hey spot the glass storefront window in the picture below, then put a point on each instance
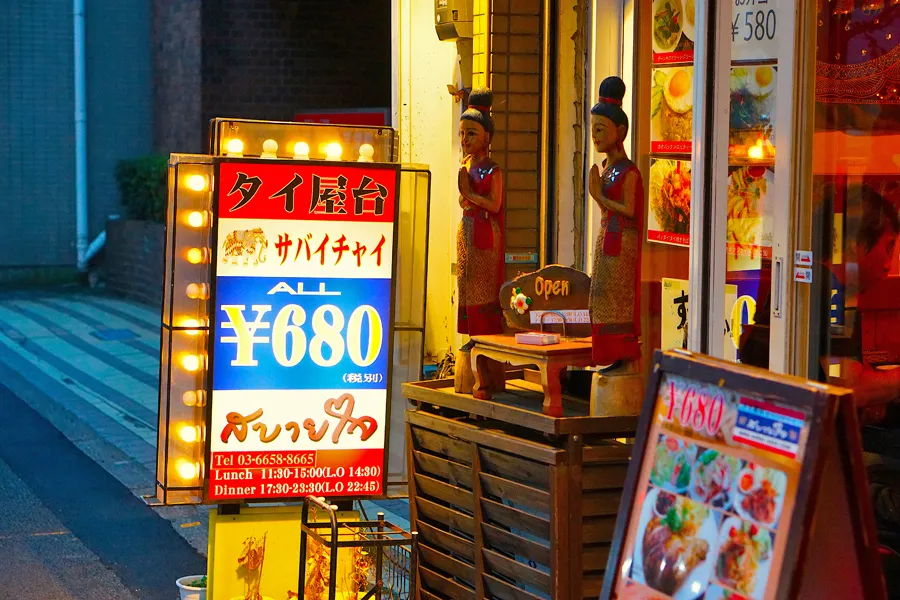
(856, 195)
(732, 166)
(750, 192)
(747, 196)
(853, 208)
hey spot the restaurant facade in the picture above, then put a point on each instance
(765, 134)
(754, 128)
(761, 209)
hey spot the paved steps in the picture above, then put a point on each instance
(89, 363)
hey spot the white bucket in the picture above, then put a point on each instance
(188, 592)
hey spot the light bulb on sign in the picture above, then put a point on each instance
(197, 291)
(191, 362)
(197, 219)
(192, 323)
(195, 256)
(197, 182)
(366, 153)
(187, 470)
(270, 148)
(301, 151)
(189, 434)
(333, 151)
(235, 148)
(193, 398)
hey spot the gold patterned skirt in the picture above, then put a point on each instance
(479, 275)
(615, 323)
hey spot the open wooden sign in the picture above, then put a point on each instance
(743, 484)
(553, 299)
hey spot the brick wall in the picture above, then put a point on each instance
(135, 253)
(480, 41)
(514, 51)
(265, 59)
(177, 66)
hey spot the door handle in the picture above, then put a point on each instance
(777, 276)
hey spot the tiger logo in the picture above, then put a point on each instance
(246, 244)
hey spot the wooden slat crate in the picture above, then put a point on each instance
(509, 503)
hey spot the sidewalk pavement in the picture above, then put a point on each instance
(89, 363)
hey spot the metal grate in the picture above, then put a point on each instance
(395, 576)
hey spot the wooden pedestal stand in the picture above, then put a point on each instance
(619, 393)
(510, 502)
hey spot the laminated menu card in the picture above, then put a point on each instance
(743, 485)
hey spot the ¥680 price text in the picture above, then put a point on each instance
(288, 340)
(696, 409)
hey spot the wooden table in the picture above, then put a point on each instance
(550, 360)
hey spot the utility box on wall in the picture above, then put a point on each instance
(453, 19)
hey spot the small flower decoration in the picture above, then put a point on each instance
(519, 301)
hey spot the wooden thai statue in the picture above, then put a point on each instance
(479, 238)
(616, 276)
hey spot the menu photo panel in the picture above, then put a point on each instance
(723, 484)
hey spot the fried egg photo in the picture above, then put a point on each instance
(761, 81)
(679, 91)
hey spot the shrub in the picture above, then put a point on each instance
(142, 184)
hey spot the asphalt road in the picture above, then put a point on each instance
(69, 529)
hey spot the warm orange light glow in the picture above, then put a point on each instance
(756, 151)
(189, 434)
(193, 323)
(235, 147)
(301, 151)
(195, 256)
(197, 291)
(187, 470)
(197, 219)
(191, 362)
(333, 151)
(197, 183)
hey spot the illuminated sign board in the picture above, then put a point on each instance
(301, 330)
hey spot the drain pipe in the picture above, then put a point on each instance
(81, 191)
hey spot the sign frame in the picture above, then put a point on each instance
(831, 411)
(213, 331)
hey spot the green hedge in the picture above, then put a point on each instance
(142, 184)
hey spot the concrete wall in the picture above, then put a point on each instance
(428, 119)
(120, 96)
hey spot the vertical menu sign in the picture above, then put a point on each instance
(715, 494)
(671, 121)
(301, 332)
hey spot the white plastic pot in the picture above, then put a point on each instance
(189, 592)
